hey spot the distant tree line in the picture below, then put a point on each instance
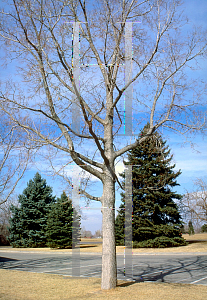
(88, 234)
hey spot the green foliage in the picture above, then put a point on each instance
(61, 220)
(160, 242)
(190, 228)
(29, 220)
(204, 228)
(156, 219)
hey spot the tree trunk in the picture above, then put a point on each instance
(109, 268)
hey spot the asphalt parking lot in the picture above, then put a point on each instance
(173, 268)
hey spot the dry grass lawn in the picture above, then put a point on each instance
(197, 236)
(17, 285)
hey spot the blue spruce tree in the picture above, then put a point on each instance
(156, 219)
(61, 220)
(29, 219)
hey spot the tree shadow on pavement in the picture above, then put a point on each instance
(5, 259)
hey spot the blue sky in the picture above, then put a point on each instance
(191, 161)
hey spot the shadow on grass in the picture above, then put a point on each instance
(88, 246)
(197, 241)
(125, 284)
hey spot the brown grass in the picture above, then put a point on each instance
(197, 236)
(19, 285)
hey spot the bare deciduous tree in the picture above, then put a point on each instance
(5, 215)
(195, 203)
(14, 158)
(54, 86)
(98, 233)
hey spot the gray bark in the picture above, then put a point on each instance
(109, 268)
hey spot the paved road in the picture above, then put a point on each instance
(179, 268)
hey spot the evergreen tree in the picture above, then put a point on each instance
(190, 228)
(61, 219)
(156, 219)
(29, 220)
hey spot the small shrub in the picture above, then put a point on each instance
(204, 228)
